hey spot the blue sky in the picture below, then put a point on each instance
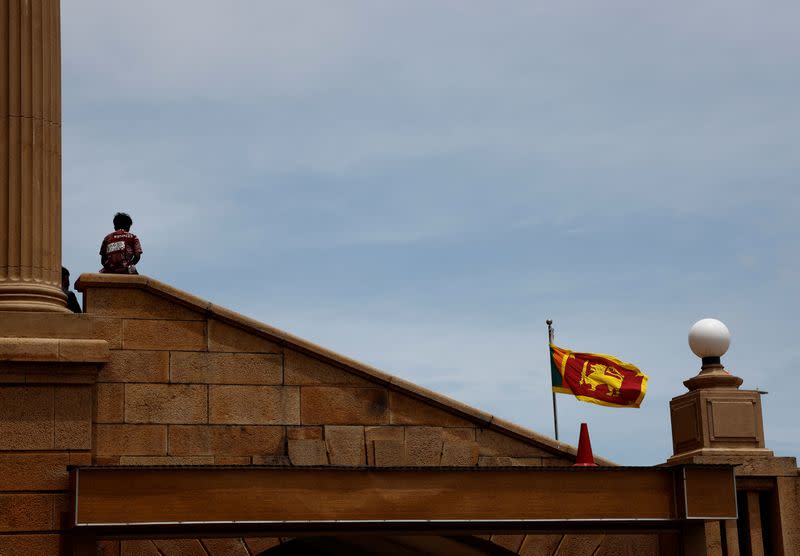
(419, 185)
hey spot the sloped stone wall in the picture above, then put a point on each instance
(185, 387)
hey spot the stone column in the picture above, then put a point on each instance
(30, 156)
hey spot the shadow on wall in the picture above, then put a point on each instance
(395, 545)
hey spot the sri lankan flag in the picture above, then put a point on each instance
(597, 378)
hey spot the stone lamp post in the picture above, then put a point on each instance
(715, 421)
(709, 339)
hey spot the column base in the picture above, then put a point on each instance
(28, 296)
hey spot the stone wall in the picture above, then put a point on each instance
(153, 376)
(45, 422)
(188, 383)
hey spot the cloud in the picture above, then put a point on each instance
(420, 185)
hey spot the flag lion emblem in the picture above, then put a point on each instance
(602, 375)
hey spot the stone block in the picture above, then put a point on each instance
(346, 445)
(28, 349)
(136, 366)
(628, 545)
(527, 462)
(108, 548)
(87, 283)
(536, 545)
(136, 304)
(406, 410)
(256, 405)
(231, 440)
(180, 297)
(459, 453)
(80, 458)
(450, 405)
(73, 417)
(328, 405)
(580, 545)
(304, 433)
(385, 432)
(423, 446)
(224, 337)
(493, 443)
(109, 403)
(131, 440)
(555, 462)
(381, 433)
(82, 351)
(225, 547)
(257, 545)
(27, 512)
(495, 461)
(787, 511)
(262, 459)
(26, 418)
(43, 325)
(166, 460)
(179, 335)
(389, 453)
(459, 433)
(509, 542)
(180, 547)
(34, 471)
(61, 505)
(226, 368)
(61, 373)
(23, 545)
(138, 548)
(108, 329)
(308, 452)
(301, 369)
(232, 460)
(166, 403)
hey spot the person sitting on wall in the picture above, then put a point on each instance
(72, 299)
(120, 250)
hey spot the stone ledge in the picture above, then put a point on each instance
(757, 462)
(16, 324)
(53, 350)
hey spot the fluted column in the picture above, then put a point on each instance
(30, 156)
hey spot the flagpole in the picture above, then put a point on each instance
(550, 335)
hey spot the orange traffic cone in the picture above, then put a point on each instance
(585, 457)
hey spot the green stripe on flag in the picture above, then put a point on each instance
(555, 373)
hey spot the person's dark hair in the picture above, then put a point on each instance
(64, 273)
(122, 221)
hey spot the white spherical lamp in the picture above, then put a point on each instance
(709, 338)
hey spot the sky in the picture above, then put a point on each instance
(420, 185)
